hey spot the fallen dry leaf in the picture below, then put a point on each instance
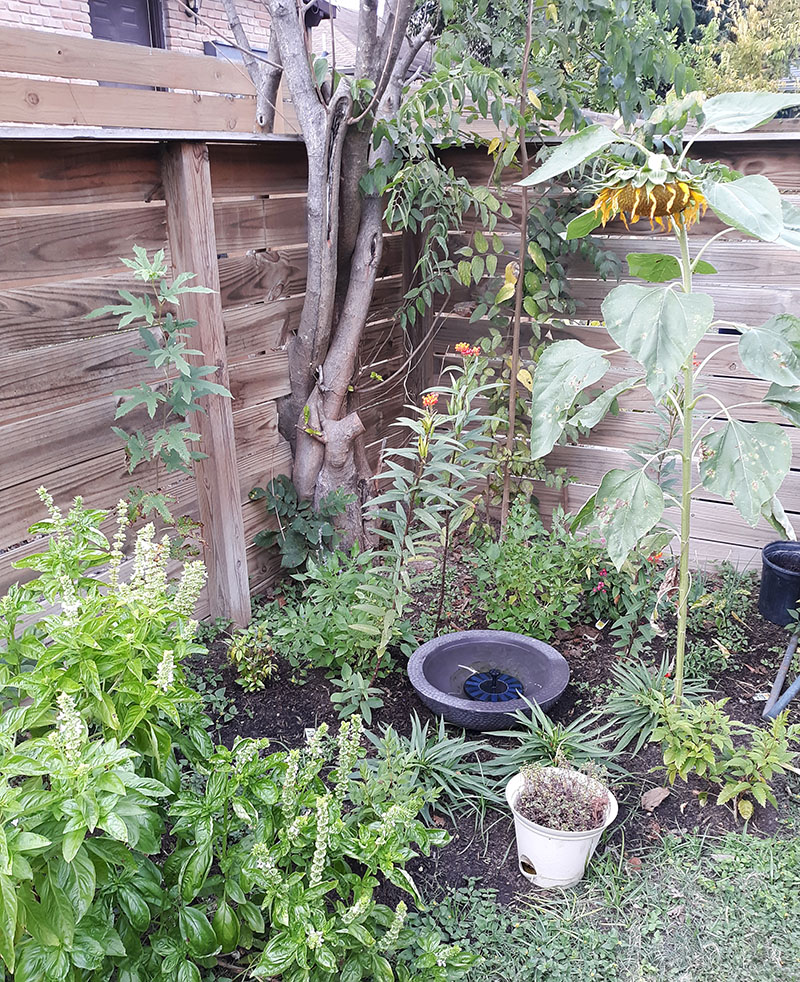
(635, 863)
(652, 799)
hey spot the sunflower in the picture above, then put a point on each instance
(654, 201)
(653, 188)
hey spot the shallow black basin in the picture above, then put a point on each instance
(439, 669)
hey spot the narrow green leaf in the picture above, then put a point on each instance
(591, 414)
(582, 225)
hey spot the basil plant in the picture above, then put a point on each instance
(660, 323)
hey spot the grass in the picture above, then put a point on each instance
(696, 910)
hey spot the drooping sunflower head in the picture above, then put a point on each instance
(656, 191)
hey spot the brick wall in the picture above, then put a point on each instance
(183, 34)
(63, 16)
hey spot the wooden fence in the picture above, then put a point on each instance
(755, 281)
(88, 170)
(234, 214)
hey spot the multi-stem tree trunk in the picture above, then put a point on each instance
(320, 418)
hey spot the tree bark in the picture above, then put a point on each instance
(344, 241)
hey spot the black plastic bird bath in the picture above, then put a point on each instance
(475, 679)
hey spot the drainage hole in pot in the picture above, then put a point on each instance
(493, 686)
(526, 867)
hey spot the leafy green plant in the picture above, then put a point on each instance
(660, 325)
(116, 647)
(431, 759)
(541, 740)
(356, 695)
(429, 483)
(719, 608)
(532, 580)
(251, 652)
(742, 759)
(181, 386)
(636, 696)
(303, 530)
(266, 860)
(334, 614)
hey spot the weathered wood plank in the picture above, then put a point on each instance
(37, 175)
(591, 463)
(24, 100)
(190, 213)
(39, 314)
(748, 263)
(103, 477)
(719, 522)
(42, 248)
(733, 302)
(70, 56)
(69, 374)
(255, 169)
(262, 224)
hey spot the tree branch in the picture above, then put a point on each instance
(266, 77)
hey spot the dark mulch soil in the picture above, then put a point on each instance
(283, 710)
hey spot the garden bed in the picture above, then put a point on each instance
(288, 705)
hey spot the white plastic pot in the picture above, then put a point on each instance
(549, 857)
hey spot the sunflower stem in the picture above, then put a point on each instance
(686, 478)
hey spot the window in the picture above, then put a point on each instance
(130, 21)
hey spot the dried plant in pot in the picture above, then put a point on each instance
(559, 816)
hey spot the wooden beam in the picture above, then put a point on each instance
(69, 56)
(26, 100)
(190, 223)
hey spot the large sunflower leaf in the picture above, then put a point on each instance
(772, 351)
(735, 112)
(582, 145)
(659, 327)
(786, 399)
(747, 463)
(564, 369)
(790, 236)
(627, 506)
(750, 204)
(591, 414)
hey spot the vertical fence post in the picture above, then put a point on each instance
(190, 225)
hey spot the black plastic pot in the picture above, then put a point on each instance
(780, 581)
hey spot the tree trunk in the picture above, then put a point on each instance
(344, 244)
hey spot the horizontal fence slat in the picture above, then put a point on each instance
(25, 100)
(748, 263)
(715, 521)
(32, 175)
(42, 248)
(69, 56)
(261, 168)
(262, 224)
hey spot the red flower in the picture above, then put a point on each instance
(430, 399)
(465, 350)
